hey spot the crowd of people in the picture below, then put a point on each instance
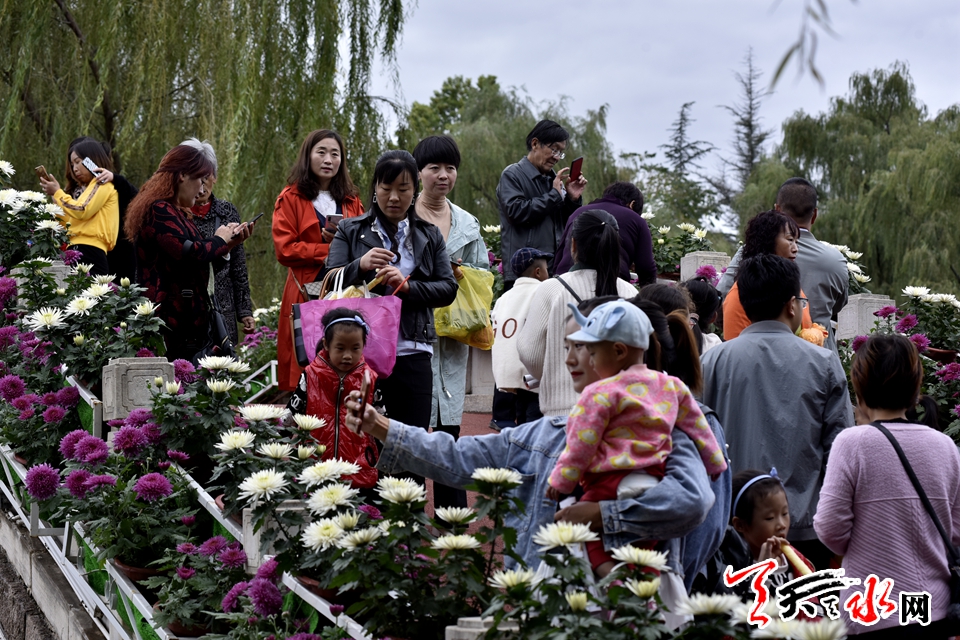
(610, 387)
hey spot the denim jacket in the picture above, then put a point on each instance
(673, 508)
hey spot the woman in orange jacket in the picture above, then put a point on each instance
(304, 220)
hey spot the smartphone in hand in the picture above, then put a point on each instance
(364, 392)
(91, 166)
(333, 221)
(576, 168)
(41, 172)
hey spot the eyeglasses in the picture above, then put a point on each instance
(804, 303)
(556, 153)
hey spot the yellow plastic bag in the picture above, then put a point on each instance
(468, 318)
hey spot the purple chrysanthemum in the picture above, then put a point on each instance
(304, 636)
(707, 271)
(70, 257)
(153, 486)
(11, 387)
(184, 371)
(163, 465)
(68, 397)
(187, 548)
(42, 482)
(949, 373)
(232, 558)
(152, 432)
(138, 418)
(8, 290)
(69, 443)
(103, 480)
(886, 312)
(188, 521)
(268, 570)
(77, 483)
(49, 398)
(129, 441)
(921, 341)
(371, 511)
(336, 609)
(91, 450)
(229, 602)
(239, 422)
(858, 342)
(265, 597)
(185, 573)
(213, 546)
(22, 403)
(906, 323)
(177, 456)
(26, 414)
(54, 414)
(8, 335)
(145, 353)
(956, 411)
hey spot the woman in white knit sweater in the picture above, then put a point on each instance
(595, 248)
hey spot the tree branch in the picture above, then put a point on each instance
(33, 112)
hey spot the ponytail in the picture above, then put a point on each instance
(597, 238)
(686, 362)
(925, 412)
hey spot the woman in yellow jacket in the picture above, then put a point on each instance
(90, 206)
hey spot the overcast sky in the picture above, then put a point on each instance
(645, 59)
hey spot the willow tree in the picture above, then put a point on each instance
(251, 76)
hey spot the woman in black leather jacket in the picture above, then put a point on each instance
(391, 242)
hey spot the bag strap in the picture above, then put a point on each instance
(568, 288)
(325, 284)
(951, 550)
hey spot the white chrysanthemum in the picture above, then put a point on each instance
(238, 366)
(275, 450)
(104, 279)
(304, 452)
(359, 538)
(852, 267)
(328, 470)
(235, 439)
(321, 535)
(45, 318)
(6, 168)
(687, 227)
(916, 292)
(262, 484)
(492, 228)
(81, 305)
(220, 386)
(955, 304)
(330, 497)
(664, 230)
(401, 490)
(124, 282)
(862, 278)
(96, 291)
(173, 388)
(455, 515)
(51, 210)
(648, 215)
(929, 297)
(700, 604)
(512, 578)
(779, 629)
(700, 234)
(79, 339)
(577, 600)
(48, 225)
(641, 557)
(82, 267)
(643, 588)
(309, 423)
(10, 198)
(462, 542)
(853, 255)
(255, 412)
(497, 476)
(562, 534)
(823, 630)
(348, 520)
(214, 363)
(33, 196)
(60, 291)
(145, 308)
(660, 241)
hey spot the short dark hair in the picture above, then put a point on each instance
(340, 313)
(763, 230)
(766, 283)
(625, 192)
(547, 132)
(887, 372)
(439, 149)
(798, 199)
(537, 262)
(670, 298)
(754, 493)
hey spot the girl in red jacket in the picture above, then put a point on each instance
(337, 370)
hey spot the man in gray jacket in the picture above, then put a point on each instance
(823, 269)
(780, 399)
(535, 201)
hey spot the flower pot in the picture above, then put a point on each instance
(943, 356)
(673, 276)
(182, 631)
(221, 505)
(135, 574)
(330, 595)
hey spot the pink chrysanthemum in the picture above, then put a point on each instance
(152, 432)
(229, 603)
(26, 414)
(69, 442)
(103, 480)
(921, 341)
(213, 546)
(91, 450)
(265, 597)
(858, 342)
(153, 486)
(188, 521)
(49, 398)
(68, 397)
(185, 573)
(22, 403)
(53, 414)
(42, 482)
(268, 570)
(129, 441)
(184, 371)
(886, 312)
(77, 483)
(138, 418)
(187, 548)
(11, 387)
(371, 511)
(177, 456)
(232, 557)
(906, 323)
(145, 353)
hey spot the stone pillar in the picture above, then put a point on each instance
(693, 261)
(479, 383)
(127, 382)
(475, 628)
(251, 539)
(857, 319)
(57, 269)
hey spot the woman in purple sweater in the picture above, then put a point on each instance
(869, 511)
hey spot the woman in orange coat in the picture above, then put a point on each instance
(305, 218)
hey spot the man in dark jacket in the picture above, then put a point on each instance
(535, 201)
(624, 202)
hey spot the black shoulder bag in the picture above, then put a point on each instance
(219, 342)
(953, 556)
(568, 288)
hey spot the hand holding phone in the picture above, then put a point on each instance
(576, 168)
(91, 166)
(41, 172)
(364, 391)
(256, 218)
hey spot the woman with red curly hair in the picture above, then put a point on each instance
(173, 257)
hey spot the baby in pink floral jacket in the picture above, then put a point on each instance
(622, 424)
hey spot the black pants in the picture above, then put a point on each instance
(93, 256)
(408, 393)
(444, 496)
(528, 406)
(504, 409)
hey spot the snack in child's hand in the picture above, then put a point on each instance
(799, 566)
